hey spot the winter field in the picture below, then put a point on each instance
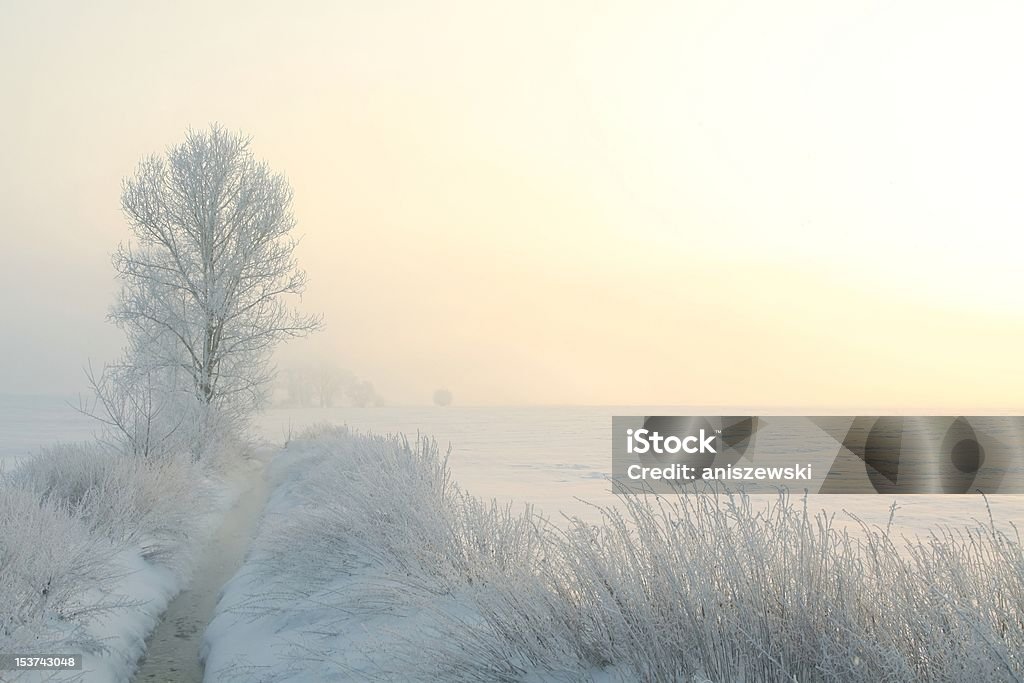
(557, 458)
(554, 458)
(373, 560)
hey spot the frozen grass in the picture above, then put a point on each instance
(373, 564)
(93, 543)
(155, 505)
(48, 562)
(712, 587)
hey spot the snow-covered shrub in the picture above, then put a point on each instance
(689, 587)
(151, 411)
(155, 505)
(388, 509)
(219, 440)
(373, 526)
(53, 574)
(93, 543)
(712, 586)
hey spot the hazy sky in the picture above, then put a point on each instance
(682, 202)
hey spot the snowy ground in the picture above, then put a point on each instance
(173, 648)
(312, 603)
(124, 632)
(244, 643)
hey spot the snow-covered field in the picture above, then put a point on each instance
(28, 423)
(554, 458)
(557, 458)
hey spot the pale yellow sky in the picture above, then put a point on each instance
(786, 203)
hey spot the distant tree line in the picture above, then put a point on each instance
(325, 385)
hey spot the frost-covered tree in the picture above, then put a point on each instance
(362, 393)
(328, 380)
(207, 279)
(443, 398)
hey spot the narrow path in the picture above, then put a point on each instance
(172, 650)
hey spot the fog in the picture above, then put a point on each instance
(590, 203)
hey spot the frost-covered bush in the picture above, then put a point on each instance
(92, 539)
(693, 587)
(388, 509)
(155, 505)
(53, 574)
(712, 586)
(150, 411)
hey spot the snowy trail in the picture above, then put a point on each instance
(172, 650)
